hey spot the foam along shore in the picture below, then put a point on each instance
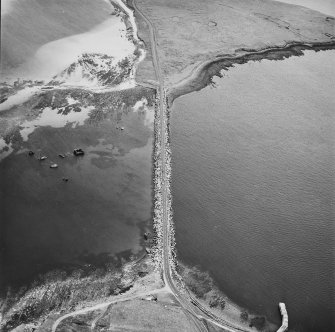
(108, 38)
(130, 15)
(20, 97)
(94, 59)
(283, 311)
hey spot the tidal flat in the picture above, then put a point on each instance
(90, 210)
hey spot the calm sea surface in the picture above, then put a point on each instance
(99, 215)
(253, 186)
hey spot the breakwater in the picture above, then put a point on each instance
(157, 254)
(283, 311)
(162, 177)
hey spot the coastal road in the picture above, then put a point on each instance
(197, 314)
(190, 304)
(100, 306)
(186, 305)
(188, 308)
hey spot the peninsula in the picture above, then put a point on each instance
(186, 43)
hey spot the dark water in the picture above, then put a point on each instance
(104, 208)
(253, 186)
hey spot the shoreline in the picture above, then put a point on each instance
(201, 75)
(232, 312)
(202, 290)
(93, 264)
(63, 274)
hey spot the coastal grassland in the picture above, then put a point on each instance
(145, 72)
(33, 285)
(135, 315)
(202, 285)
(196, 40)
(58, 292)
(191, 32)
(203, 74)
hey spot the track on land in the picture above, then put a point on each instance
(189, 304)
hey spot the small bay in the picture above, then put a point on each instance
(253, 186)
(91, 210)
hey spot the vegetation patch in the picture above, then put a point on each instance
(60, 291)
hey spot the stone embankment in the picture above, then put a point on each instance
(283, 311)
(157, 250)
(159, 182)
(168, 179)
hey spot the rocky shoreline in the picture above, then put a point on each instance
(200, 77)
(210, 299)
(203, 73)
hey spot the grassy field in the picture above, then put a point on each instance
(136, 315)
(39, 306)
(190, 32)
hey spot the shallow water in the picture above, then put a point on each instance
(253, 186)
(323, 6)
(28, 25)
(99, 215)
(108, 38)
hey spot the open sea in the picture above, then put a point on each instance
(253, 186)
